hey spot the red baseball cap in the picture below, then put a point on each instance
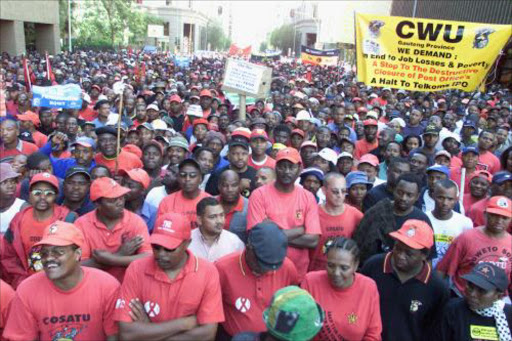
(171, 229)
(362, 109)
(61, 233)
(357, 99)
(308, 143)
(131, 148)
(416, 234)
(200, 121)
(205, 92)
(298, 131)
(500, 205)
(30, 116)
(107, 188)
(290, 119)
(139, 175)
(289, 154)
(369, 158)
(370, 122)
(481, 173)
(45, 177)
(242, 132)
(259, 133)
(175, 98)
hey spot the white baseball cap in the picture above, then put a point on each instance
(329, 155)
(303, 115)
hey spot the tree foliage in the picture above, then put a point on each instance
(216, 37)
(282, 37)
(110, 23)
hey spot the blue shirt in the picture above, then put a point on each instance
(148, 214)
(60, 166)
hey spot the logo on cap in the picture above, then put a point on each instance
(502, 202)
(411, 232)
(113, 183)
(243, 304)
(46, 175)
(167, 226)
(52, 229)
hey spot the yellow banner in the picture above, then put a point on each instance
(426, 54)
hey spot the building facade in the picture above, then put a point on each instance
(185, 27)
(20, 16)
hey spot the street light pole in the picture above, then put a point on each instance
(414, 8)
(69, 26)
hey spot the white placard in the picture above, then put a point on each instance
(246, 78)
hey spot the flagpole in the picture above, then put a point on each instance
(69, 26)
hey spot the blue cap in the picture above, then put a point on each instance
(439, 168)
(357, 177)
(269, 244)
(469, 123)
(312, 171)
(501, 177)
(466, 150)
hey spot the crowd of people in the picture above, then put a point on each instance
(332, 211)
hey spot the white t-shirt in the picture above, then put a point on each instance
(445, 231)
(227, 243)
(156, 195)
(6, 217)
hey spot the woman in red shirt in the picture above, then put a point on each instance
(350, 300)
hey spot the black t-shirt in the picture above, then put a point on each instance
(213, 182)
(375, 195)
(461, 323)
(408, 310)
(415, 214)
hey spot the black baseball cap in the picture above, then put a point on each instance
(238, 144)
(106, 130)
(488, 277)
(77, 170)
(269, 244)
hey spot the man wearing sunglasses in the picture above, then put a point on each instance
(54, 304)
(185, 200)
(18, 256)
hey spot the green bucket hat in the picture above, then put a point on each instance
(293, 315)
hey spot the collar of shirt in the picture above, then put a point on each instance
(246, 270)
(123, 222)
(423, 276)
(19, 146)
(192, 265)
(238, 207)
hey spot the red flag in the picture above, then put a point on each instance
(28, 74)
(136, 70)
(49, 72)
(143, 70)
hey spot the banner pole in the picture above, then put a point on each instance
(118, 145)
(241, 102)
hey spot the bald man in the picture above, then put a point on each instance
(234, 204)
(336, 218)
(264, 176)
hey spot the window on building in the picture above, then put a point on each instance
(315, 11)
(168, 2)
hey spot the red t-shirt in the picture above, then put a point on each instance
(41, 311)
(27, 148)
(364, 147)
(245, 296)
(228, 216)
(194, 291)
(473, 247)
(177, 203)
(6, 295)
(468, 201)
(88, 114)
(477, 212)
(489, 161)
(127, 161)
(98, 236)
(269, 162)
(352, 313)
(288, 211)
(40, 139)
(31, 232)
(342, 225)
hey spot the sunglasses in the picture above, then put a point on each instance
(39, 192)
